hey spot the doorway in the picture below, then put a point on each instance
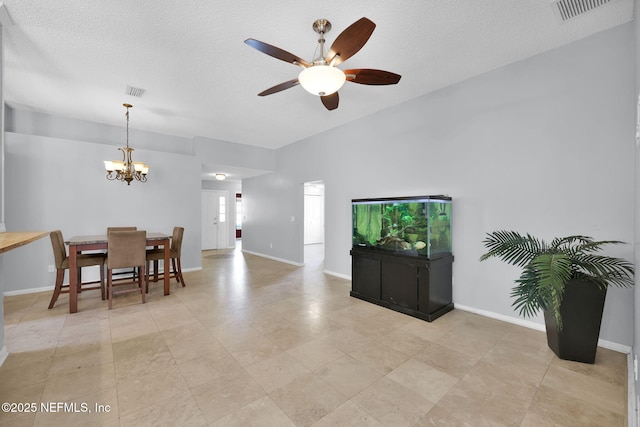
(313, 221)
(215, 219)
(238, 216)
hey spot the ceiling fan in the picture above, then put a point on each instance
(321, 76)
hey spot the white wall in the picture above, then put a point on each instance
(60, 184)
(545, 146)
(35, 123)
(3, 350)
(236, 155)
(636, 341)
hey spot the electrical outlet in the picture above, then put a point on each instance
(271, 245)
(52, 268)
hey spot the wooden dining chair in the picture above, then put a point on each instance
(126, 272)
(110, 229)
(126, 249)
(62, 264)
(175, 252)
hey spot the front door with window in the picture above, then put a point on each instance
(215, 219)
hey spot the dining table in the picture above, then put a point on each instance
(79, 244)
(12, 240)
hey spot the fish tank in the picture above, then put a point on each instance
(412, 226)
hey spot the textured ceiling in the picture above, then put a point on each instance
(75, 58)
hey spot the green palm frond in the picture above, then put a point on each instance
(548, 268)
(579, 245)
(553, 271)
(597, 246)
(528, 300)
(512, 248)
(566, 243)
(613, 271)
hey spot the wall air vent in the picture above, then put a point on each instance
(569, 9)
(135, 91)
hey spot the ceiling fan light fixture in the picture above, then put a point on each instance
(321, 76)
(322, 80)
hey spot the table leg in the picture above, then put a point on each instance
(73, 279)
(167, 267)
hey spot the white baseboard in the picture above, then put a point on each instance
(184, 270)
(3, 354)
(515, 320)
(621, 348)
(28, 291)
(286, 261)
(340, 275)
(50, 288)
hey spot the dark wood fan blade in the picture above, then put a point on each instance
(279, 88)
(350, 41)
(330, 101)
(277, 53)
(368, 76)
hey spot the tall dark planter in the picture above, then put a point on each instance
(581, 312)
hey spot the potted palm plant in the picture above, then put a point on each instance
(567, 280)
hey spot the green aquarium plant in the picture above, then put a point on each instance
(548, 267)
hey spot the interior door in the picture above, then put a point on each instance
(209, 220)
(215, 219)
(313, 219)
(313, 213)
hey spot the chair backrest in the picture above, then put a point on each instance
(176, 241)
(110, 229)
(59, 250)
(126, 249)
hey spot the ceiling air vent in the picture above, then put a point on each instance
(569, 9)
(134, 91)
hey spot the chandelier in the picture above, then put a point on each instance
(126, 169)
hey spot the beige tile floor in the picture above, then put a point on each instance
(254, 342)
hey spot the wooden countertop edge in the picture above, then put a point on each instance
(14, 239)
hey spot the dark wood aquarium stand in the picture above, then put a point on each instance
(413, 285)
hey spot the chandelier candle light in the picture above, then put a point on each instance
(126, 169)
